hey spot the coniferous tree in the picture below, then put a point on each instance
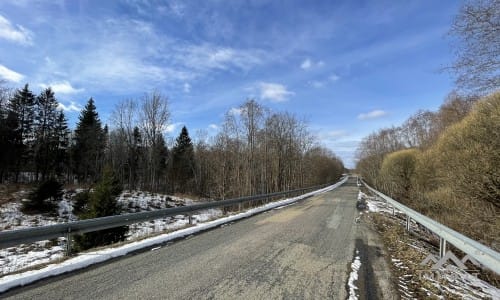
(9, 136)
(102, 202)
(182, 170)
(42, 198)
(22, 105)
(62, 138)
(135, 157)
(46, 143)
(89, 144)
(159, 153)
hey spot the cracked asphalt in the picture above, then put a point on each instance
(302, 251)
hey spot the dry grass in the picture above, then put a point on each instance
(478, 220)
(411, 249)
(12, 192)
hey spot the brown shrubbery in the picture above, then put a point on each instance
(454, 175)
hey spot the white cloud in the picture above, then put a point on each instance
(10, 75)
(125, 55)
(235, 111)
(274, 92)
(114, 55)
(317, 84)
(306, 64)
(207, 57)
(171, 128)
(61, 87)
(372, 115)
(17, 33)
(71, 107)
(333, 77)
(309, 64)
(213, 127)
(335, 133)
(321, 83)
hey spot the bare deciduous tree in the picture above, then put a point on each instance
(477, 46)
(153, 118)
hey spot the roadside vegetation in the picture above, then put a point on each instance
(452, 174)
(445, 163)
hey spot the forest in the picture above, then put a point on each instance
(256, 151)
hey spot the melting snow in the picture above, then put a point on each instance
(89, 258)
(355, 265)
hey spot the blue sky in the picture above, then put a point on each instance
(347, 67)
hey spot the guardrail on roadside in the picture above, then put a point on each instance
(487, 257)
(28, 235)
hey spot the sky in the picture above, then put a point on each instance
(347, 67)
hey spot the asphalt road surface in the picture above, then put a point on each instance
(302, 251)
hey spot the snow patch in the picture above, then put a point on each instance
(373, 204)
(89, 258)
(353, 276)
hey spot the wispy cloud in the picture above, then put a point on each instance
(114, 55)
(10, 75)
(306, 64)
(317, 84)
(123, 55)
(62, 87)
(235, 111)
(321, 83)
(372, 115)
(70, 107)
(172, 128)
(309, 64)
(213, 127)
(335, 134)
(211, 57)
(14, 33)
(333, 77)
(274, 92)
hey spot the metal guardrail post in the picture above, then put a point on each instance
(68, 242)
(442, 247)
(408, 223)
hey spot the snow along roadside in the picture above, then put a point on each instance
(89, 258)
(353, 276)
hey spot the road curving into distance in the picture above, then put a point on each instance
(302, 251)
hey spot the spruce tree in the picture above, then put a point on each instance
(9, 136)
(182, 170)
(89, 143)
(135, 157)
(46, 139)
(43, 198)
(22, 106)
(159, 157)
(102, 202)
(62, 138)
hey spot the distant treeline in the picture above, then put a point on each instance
(445, 164)
(255, 151)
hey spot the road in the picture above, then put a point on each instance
(302, 251)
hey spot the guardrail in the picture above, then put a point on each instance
(487, 257)
(34, 234)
